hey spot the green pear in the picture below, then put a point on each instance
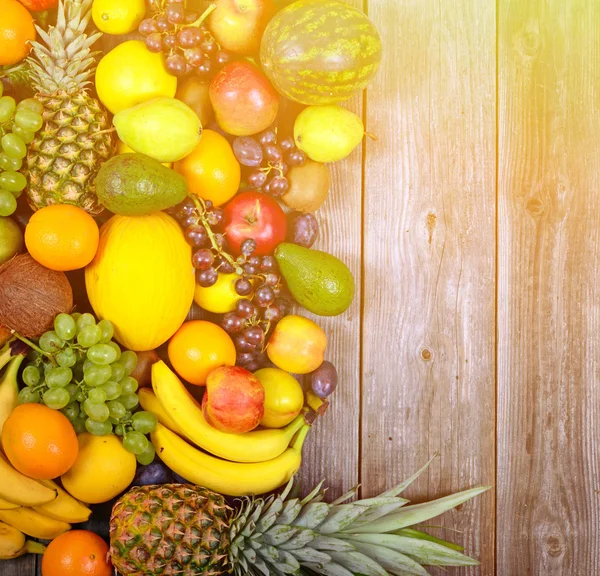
(320, 282)
(163, 128)
(327, 133)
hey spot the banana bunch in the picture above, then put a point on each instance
(37, 508)
(252, 463)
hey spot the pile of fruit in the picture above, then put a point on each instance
(179, 170)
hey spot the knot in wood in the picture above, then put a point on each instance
(535, 207)
(554, 546)
(426, 354)
(529, 42)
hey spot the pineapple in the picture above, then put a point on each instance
(181, 529)
(75, 140)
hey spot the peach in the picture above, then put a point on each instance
(234, 400)
(297, 345)
(284, 397)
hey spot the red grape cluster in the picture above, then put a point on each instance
(186, 43)
(266, 161)
(264, 302)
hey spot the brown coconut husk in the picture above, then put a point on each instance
(31, 296)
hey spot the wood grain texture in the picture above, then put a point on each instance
(429, 260)
(22, 566)
(549, 288)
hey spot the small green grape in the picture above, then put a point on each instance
(129, 360)
(31, 104)
(97, 412)
(31, 375)
(56, 398)
(118, 371)
(112, 390)
(58, 377)
(135, 442)
(89, 335)
(101, 354)
(12, 181)
(119, 430)
(129, 385)
(79, 425)
(51, 342)
(80, 396)
(72, 390)
(82, 320)
(98, 428)
(14, 146)
(28, 120)
(71, 411)
(28, 396)
(108, 331)
(144, 422)
(146, 457)
(8, 203)
(66, 358)
(116, 409)
(116, 348)
(65, 327)
(95, 375)
(8, 163)
(130, 401)
(97, 396)
(25, 135)
(7, 108)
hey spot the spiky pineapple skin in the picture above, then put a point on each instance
(67, 152)
(168, 530)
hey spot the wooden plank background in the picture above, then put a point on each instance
(472, 228)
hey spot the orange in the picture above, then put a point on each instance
(76, 553)
(211, 170)
(39, 442)
(198, 348)
(16, 32)
(62, 237)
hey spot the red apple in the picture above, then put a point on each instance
(234, 401)
(243, 99)
(257, 216)
(237, 25)
(39, 5)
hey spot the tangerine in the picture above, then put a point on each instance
(198, 348)
(211, 169)
(62, 237)
(39, 442)
(76, 553)
(16, 32)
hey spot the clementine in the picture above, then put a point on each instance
(62, 237)
(198, 348)
(211, 170)
(39, 442)
(76, 553)
(16, 32)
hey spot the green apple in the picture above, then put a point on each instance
(11, 239)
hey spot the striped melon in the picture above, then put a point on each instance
(320, 51)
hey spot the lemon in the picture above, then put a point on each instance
(221, 297)
(103, 469)
(130, 74)
(122, 148)
(284, 397)
(118, 16)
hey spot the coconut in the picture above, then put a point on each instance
(31, 296)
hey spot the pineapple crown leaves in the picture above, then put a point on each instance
(370, 537)
(63, 59)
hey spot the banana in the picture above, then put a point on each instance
(6, 505)
(13, 543)
(150, 403)
(64, 508)
(182, 408)
(9, 388)
(17, 488)
(230, 478)
(33, 523)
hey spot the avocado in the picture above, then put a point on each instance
(135, 184)
(320, 282)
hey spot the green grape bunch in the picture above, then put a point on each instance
(78, 369)
(18, 125)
